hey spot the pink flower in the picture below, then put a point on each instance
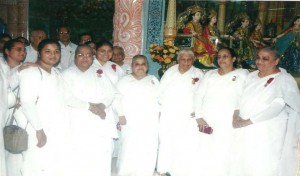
(114, 67)
(99, 72)
(269, 81)
(195, 80)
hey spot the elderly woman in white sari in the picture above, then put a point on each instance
(139, 112)
(91, 136)
(178, 131)
(266, 121)
(215, 101)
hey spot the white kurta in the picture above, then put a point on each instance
(138, 101)
(49, 114)
(126, 68)
(178, 132)
(67, 55)
(114, 76)
(215, 101)
(91, 136)
(258, 147)
(32, 54)
(3, 115)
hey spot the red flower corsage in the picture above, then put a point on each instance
(114, 67)
(99, 72)
(195, 80)
(269, 82)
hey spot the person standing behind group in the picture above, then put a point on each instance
(267, 121)
(215, 101)
(67, 48)
(139, 120)
(118, 58)
(91, 135)
(36, 36)
(44, 98)
(85, 37)
(178, 131)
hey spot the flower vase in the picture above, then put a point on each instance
(162, 70)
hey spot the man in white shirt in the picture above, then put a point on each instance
(67, 48)
(36, 36)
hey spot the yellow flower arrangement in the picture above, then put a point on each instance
(165, 54)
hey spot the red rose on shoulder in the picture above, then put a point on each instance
(114, 67)
(99, 72)
(269, 81)
(195, 80)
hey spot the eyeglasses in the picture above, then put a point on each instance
(62, 33)
(19, 49)
(80, 55)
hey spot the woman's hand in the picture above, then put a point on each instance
(98, 109)
(201, 124)
(238, 122)
(41, 138)
(122, 120)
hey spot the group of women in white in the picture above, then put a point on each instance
(75, 116)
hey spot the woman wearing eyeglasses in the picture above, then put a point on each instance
(91, 135)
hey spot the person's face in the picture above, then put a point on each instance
(140, 67)
(104, 53)
(245, 23)
(185, 62)
(64, 35)
(17, 52)
(214, 19)
(297, 22)
(50, 54)
(266, 61)
(258, 27)
(84, 39)
(117, 56)
(93, 46)
(37, 37)
(197, 16)
(225, 60)
(84, 59)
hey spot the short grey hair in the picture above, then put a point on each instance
(274, 51)
(120, 49)
(138, 57)
(186, 51)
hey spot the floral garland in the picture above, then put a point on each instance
(165, 54)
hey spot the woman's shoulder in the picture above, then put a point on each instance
(242, 72)
(30, 71)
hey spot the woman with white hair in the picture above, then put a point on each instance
(178, 131)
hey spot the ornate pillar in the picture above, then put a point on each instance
(12, 20)
(221, 16)
(127, 24)
(170, 26)
(262, 13)
(22, 18)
